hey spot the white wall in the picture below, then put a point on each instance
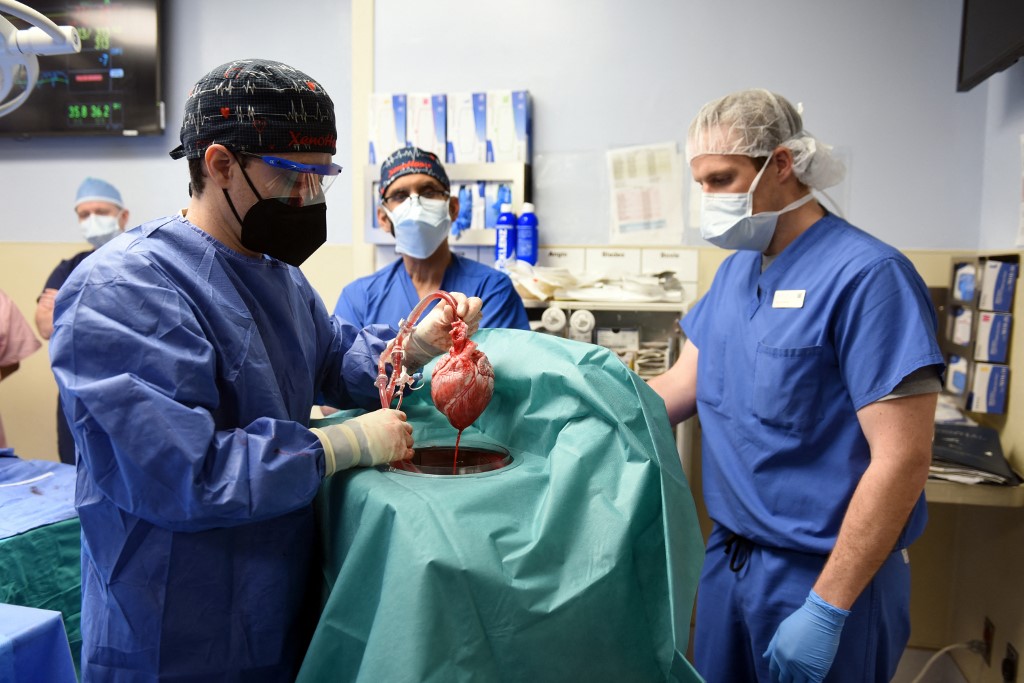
(877, 78)
(41, 175)
(1003, 187)
(929, 167)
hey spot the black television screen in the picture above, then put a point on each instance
(991, 39)
(112, 87)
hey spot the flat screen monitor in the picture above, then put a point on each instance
(112, 87)
(991, 39)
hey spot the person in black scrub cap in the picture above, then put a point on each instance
(188, 354)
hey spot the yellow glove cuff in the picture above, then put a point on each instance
(338, 441)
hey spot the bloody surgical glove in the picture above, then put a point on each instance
(375, 438)
(805, 643)
(432, 335)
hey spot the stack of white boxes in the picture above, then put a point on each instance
(461, 128)
(992, 338)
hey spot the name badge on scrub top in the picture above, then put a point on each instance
(789, 298)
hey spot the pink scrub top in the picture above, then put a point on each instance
(16, 341)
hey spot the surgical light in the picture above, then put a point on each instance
(18, 48)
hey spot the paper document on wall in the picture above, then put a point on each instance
(646, 185)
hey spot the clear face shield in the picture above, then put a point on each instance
(297, 184)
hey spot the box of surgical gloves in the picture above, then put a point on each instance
(988, 388)
(388, 122)
(992, 341)
(998, 280)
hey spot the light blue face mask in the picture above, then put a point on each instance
(420, 225)
(727, 219)
(98, 230)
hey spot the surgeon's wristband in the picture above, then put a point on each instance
(341, 448)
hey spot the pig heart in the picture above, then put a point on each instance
(463, 380)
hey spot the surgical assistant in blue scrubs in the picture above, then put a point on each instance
(417, 209)
(188, 353)
(813, 366)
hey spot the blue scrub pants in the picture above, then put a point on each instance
(738, 613)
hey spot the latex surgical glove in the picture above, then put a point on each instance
(432, 335)
(375, 438)
(805, 643)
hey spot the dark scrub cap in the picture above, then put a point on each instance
(409, 160)
(755, 123)
(257, 106)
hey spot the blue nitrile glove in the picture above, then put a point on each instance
(465, 217)
(502, 196)
(805, 643)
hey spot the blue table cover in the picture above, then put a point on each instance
(34, 493)
(33, 646)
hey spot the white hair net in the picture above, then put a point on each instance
(755, 123)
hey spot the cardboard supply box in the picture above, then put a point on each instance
(988, 389)
(619, 339)
(998, 279)
(956, 375)
(992, 343)
(388, 125)
(960, 322)
(509, 126)
(466, 128)
(964, 278)
(427, 117)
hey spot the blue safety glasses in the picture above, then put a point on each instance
(296, 182)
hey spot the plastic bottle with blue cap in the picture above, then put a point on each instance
(505, 240)
(526, 235)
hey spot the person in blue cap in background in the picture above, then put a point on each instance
(101, 216)
(813, 364)
(417, 208)
(188, 353)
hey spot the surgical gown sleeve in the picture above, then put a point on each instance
(179, 412)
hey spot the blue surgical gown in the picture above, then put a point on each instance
(779, 384)
(187, 372)
(388, 296)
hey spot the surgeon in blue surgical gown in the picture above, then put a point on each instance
(188, 354)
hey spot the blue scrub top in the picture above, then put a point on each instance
(388, 296)
(187, 372)
(64, 269)
(778, 388)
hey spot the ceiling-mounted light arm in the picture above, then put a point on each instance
(18, 48)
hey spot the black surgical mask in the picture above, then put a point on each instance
(288, 233)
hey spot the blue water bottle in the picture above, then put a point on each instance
(505, 242)
(526, 235)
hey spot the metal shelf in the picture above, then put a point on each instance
(480, 237)
(938, 491)
(646, 307)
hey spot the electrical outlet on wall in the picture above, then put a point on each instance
(988, 634)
